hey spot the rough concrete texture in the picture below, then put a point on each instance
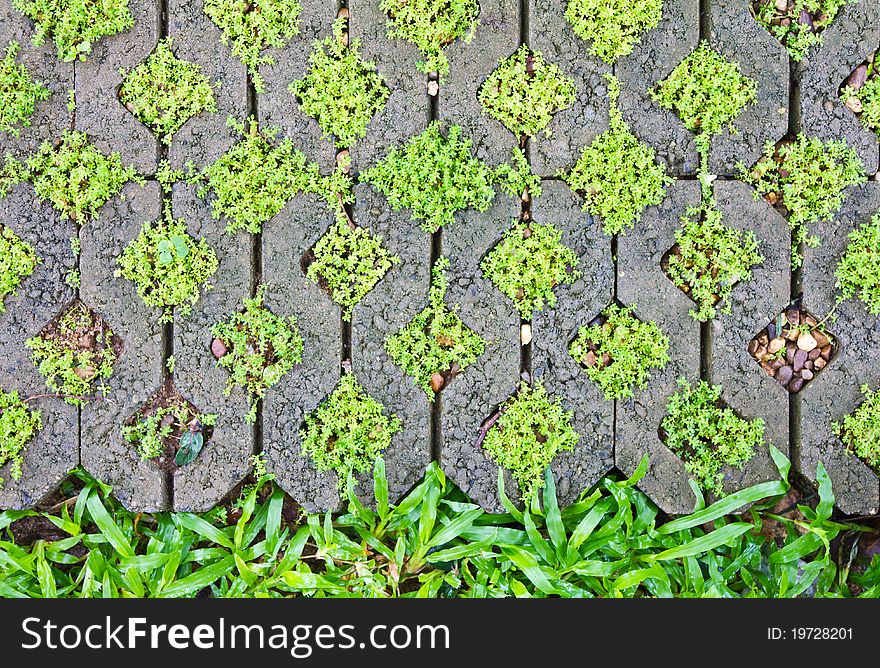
(205, 137)
(99, 113)
(575, 127)
(286, 238)
(395, 300)
(652, 59)
(496, 37)
(553, 329)
(642, 283)
(406, 111)
(739, 37)
(835, 393)
(845, 43)
(226, 457)
(51, 116)
(138, 371)
(55, 449)
(276, 105)
(748, 390)
(477, 392)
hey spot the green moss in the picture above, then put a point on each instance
(18, 426)
(790, 27)
(613, 27)
(254, 179)
(515, 177)
(172, 426)
(528, 262)
(17, 262)
(168, 266)
(431, 25)
(706, 91)
(709, 259)
(434, 176)
(806, 178)
(340, 90)
(251, 27)
(261, 347)
(74, 176)
(436, 341)
(860, 430)
(525, 91)
(75, 354)
(858, 271)
(19, 93)
(75, 24)
(620, 352)
(707, 435)
(530, 431)
(868, 97)
(348, 431)
(617, 175)
(347, 262)
(164, 92)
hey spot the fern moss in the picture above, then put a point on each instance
(613, 27)
(707, 435)
(525, 91)
(17, 262)
(260, 348)
(436, 345)
(858, 271)
(348, 431)
(340, 90)
(860, 430)
(528, 434)
(19, 93)
(18, 426)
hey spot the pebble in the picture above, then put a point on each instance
(799, 358)
(796, 384)
(854, 104)
(858, 78)
(775, 346)
(820, 363)
(437, 381)
(814, 353)
(218, 348)
(821, 339)
(806, 374)
(826, 351)
(806, 342)
(433, 88)
(781, 5)
(525, 334)
(784, 374)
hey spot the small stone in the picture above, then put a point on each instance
(792, 315)
(819, 364)
(85, 372)
(826, 352)
(796, 384)
(854, 104)
(753, 347)
(218, 348)
(799, 358)
(433, 88)
(781, 5)
(764, 338)
(806, 342)
(767, 368)
(775, 345)
(437, 381)
(821, 339)
(808, 365)
(784, 374)
(806, 374)
(790, 349)
(814, 353)
(807, 319)
(342, 13)
(805, 18)
(792, 334)
(858, 78)
(761, 352)
(525, 334)
(778, 363)
(590, 358)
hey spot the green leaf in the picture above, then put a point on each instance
(705, 543)
(191, 443)
(108, 527)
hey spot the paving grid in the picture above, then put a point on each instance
(792, 97)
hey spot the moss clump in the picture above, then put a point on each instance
(170, 426)
(858, 272)
(861, 94)
(705, 90)
(17, 262)
(617, 175)
(860, 430)
(613, 28)
(515, 177)
(799, 23)
(260, 347)
(19, 93)
(74, 176)
(431, 25)
(18, 426)
(620, 351)
(525, 91)
(75, 25)
(75, 353)
(805, 179)
(251, 27)
(167, 265)
(340, 90)
(528, 262)
(528, 434)
(708, 435)
(709, 259)
(433, 176)
(253, 180)
(436, 345)
(164, 92)
(348, 431)
(347, 262)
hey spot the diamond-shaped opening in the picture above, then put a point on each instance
(675, 251)
(164, 92)
(435, 346)
(619, 351)
(17, 262)
(168, 430)
(860, 92)
(75, 352)
(525, 91)
(616, 28)
(797, 24)
(346, 263)
(794, 348)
